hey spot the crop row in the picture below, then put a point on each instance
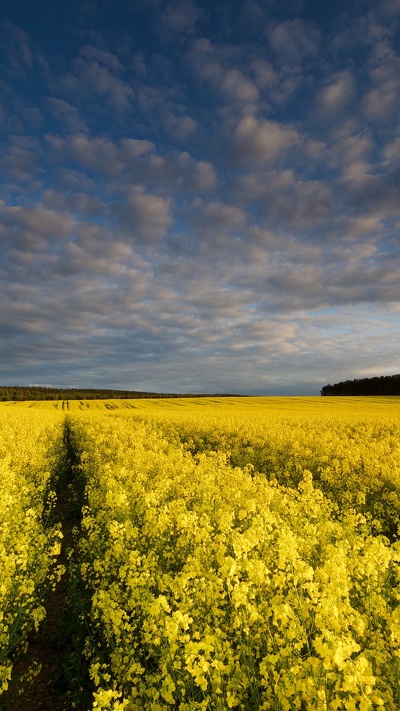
(355, 463)
(30, 446)
(214, 588)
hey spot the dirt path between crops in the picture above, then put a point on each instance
(45, 691)
(41, 693)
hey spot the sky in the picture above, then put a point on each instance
(199, 196)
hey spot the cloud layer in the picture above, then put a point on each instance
(200, 198)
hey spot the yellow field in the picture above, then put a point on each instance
(236, 552)
(370, 407)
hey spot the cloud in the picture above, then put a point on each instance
(39, 221)
(18, 49)
(67, 115)
(348, 144)
(371, 193)
(143, 216)
(257, 142)
(29, 231)
(214, 219)
(391, 153)
(179, 17)
(297, 204)
(373, 284)
(97, 154)
(265, 73)
(82, 204)
(200, 189)
(101, 296)
(217, 70)
(293, 40)
(101, 56)
(250, 16)
(181, 127)
(95, 255)
(337, 95)
(281, 201)
(91, 80)
(128, 162)
(381, 102)
(388, 9)
(234, 85)
(21, 160)
(203, 177)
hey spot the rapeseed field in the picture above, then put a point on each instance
(232, 552)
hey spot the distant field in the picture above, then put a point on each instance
(335, 406)
(228, 552)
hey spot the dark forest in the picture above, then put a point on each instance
(380, 385)
(20, 392)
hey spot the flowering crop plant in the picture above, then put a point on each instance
(238, 553)
(29, 545)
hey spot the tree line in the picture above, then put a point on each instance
(379, 385)
(20, 392)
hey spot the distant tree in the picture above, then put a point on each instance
(18, 392)
(379, 385)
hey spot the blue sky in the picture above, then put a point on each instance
(199, 196)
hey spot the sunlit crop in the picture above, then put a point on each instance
(29, 546)
(240, 553)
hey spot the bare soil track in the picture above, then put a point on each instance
(51, 646)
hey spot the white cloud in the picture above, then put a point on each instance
(282, 201)
(143, 216)
(234, 85)
(203, 177)
(68, 115)
(391, 153)
(362, 225)
(33, 231)
(293, 40)
(20, 162)
(358, 174)
(98, 154)
(179, 16)
(214, 219)
(133, 147)
(101, 56)
(348, 144)
(387, 9)
(181, 127)
(264, 72)
(338, 94)
(18, 46)
(90, 80)
(39, 221)
(381, 103)
(257, 142)
(216, 69)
